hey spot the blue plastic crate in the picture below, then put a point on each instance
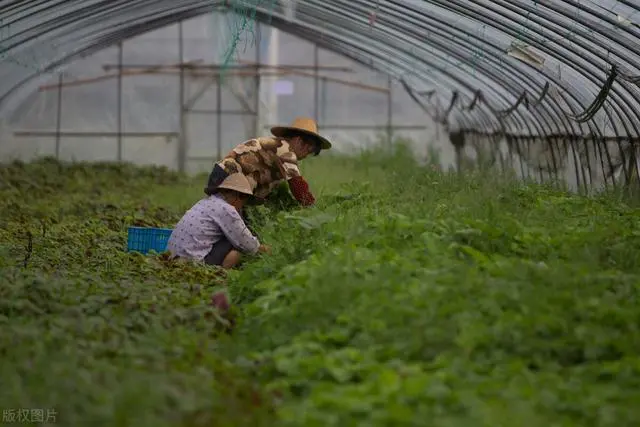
(145, 239)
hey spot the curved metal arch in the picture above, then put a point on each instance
(470, 15)
(626, 88)
(307, 34)
(549, 77)
(622, 99)
(629, 43)
(636, 49)
(409, 54)
(167, 17)
(591, 125)
(490, 74)
(587, 73)
(91, 13)
(495, 74)
(113, 38)
(356, 57)
(302, 32)
(403, 17)
(467, 34)
(526, 76)
(479, 98)
(494, 26)
(116, 36)
(612, 121)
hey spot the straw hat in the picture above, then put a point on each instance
(237, 182)
(304, 126)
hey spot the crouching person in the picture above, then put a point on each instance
(213, 231)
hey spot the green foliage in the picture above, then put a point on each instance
(104, 336)
(405, 297)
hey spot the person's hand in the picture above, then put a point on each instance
(265, 249)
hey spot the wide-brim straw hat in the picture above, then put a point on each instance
(305, 126)
(237, 182)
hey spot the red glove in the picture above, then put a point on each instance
(300, 190)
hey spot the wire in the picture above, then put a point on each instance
(597, 103)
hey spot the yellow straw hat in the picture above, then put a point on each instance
(237, 182)
(303, 125)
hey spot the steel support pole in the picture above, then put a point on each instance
(219, 117)
(119, 115)
(316, 82)
(182, 138)
(323, 100)
(256, 90)
(389, 112)
(59, 114)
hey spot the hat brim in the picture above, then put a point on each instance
(220, 187)
(281, 131)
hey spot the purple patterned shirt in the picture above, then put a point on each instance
(208, 221)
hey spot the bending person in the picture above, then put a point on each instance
(268, 161)
(213, 231)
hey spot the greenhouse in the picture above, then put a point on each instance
(470, 255)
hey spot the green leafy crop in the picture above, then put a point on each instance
(406, 297)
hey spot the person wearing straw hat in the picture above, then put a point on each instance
(268, 161)
(213, 230)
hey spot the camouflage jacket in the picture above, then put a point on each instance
(258, 158)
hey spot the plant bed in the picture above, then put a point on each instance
(407, 296)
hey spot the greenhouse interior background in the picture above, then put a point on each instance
(352, 103)
(122, 102)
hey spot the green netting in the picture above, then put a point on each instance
(241, 23)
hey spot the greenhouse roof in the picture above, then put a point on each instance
(538, 67)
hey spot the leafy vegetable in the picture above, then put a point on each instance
(407, 296)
